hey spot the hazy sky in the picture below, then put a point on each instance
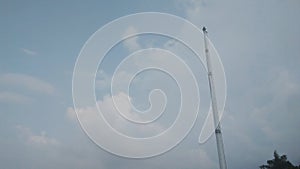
(258, 42)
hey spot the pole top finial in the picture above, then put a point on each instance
(204, 29)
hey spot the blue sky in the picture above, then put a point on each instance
(258, 42)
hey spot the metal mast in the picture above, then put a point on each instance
(220, 147)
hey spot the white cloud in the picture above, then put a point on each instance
(36, 139)
(29, 82)
(112, 115)
(131, 43)
(29, 52)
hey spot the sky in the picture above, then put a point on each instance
(258, 43)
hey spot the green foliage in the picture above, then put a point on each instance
(279, 162)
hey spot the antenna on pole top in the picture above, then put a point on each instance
(218, 133)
